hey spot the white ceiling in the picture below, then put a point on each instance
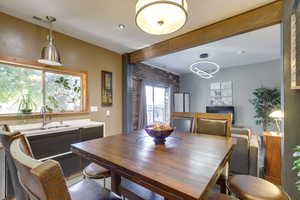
(259, 46)
(96, 21)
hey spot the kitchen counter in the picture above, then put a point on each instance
(55, 127)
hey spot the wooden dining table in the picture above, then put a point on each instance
(185, 167)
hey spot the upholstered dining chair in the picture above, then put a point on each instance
(45, 180)
(253, 188)
(218, 124)
(183, 121)
(13, 188)
(95, 171)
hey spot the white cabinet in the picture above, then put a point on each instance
(182, 102)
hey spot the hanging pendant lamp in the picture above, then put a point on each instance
(50, 54)
(160, 17)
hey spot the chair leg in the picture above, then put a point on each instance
(104, 182)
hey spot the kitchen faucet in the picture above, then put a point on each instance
(43, 115)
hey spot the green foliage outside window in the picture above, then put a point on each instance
(297, 165)
(21, 90)
(18, 84)
(63, 92)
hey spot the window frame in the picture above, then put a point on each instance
(19, 62)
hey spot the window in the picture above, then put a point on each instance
(25, 88)
(15, 84)
(158, 105)
(63, 92)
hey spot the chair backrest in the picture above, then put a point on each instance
(183, 121)
(41, 180)
(13, 186)
(214, 124)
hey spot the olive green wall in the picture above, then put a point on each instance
(25, 40)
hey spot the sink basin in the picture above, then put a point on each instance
(48, 127)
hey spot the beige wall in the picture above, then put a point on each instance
(25, 40)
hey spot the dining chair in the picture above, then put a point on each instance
(218, 124)
(13, 188)
(95, 171)
(45, 180)
(183, 121)
(253, 188)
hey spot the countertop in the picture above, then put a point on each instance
(55, 127)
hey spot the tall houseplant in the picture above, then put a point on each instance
(265, 101)
(297, 165)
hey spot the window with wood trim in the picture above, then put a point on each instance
(25, 88)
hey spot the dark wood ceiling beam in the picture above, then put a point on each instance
(258, 18)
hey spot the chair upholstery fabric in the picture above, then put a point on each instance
(253, 188)
(183, 124)
(95, 171)
(212, 126)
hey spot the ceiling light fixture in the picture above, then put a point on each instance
(204, 56)
(160, 17)
(50, 54)
(205, 69)
(121, 26)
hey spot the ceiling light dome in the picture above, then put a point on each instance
(160, 17)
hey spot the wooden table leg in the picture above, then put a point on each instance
(223, 179)
(115, 182)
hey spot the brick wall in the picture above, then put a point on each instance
(145, 72)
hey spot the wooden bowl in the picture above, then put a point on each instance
(159, 135)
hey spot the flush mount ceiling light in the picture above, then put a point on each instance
(121, 26)
(50, 54)
(160, 17)
(205, 69)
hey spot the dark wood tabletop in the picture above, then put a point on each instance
(185, 167)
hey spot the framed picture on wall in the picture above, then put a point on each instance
(221, 93)
(107, 88)
(295, 48)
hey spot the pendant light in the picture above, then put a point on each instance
(205, 69)
(160, 17)
(50, 54)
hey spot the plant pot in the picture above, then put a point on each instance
(26, 111)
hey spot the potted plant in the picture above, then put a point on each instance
(265, 101)
(26, 104)
(297, 165)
